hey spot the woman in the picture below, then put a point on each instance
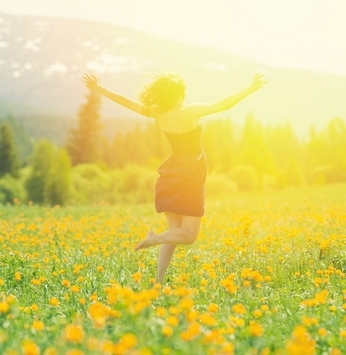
(180, 186)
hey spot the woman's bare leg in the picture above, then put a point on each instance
(185, 235)
(166, 251)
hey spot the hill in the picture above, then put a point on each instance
(42, 60)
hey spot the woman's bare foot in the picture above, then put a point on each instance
(150, 240)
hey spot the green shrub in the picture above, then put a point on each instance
(246, 178)
(220, 185)
(90, 184)
(11, 189)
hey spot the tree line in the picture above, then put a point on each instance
(91, 168)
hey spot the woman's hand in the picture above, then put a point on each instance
(258, 82)
(90, 81)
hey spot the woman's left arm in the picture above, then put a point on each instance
(200, 110)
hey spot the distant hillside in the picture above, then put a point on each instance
(42, 60)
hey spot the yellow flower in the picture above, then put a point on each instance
(137, 277)
(50, 351)
(264, 308)
(74, 289)
(239, 309)
(309, 321)
(82, 301)
(30, 348)
(172, 320)
(161, 312)
(186, 303)
(208, 320)
(2, 282)
(322, 332)
(17, 276)
(191, 315)
(212, 336)
(342, 333)
(335, 351)
(167, 331)
(255, 329)
(37, 325)
(4, 307)
(36, 282)
(167, 290)
(228, 348)
(192, 331)
(128, 340)
(301, 342)
(74, 333)
(237, 322)
(257, 313)
(174, 310)
(321, 297)
(10, 299)
(54, 301)
(213, 308)
(146, 351)
(65, 283)
(74, 352)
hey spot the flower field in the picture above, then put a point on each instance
(265, 276)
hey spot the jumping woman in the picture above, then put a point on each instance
(180, 185)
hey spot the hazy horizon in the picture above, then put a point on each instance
(300, 34)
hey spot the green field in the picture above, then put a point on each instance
(265, 276)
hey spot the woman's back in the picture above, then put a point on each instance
(177, 120)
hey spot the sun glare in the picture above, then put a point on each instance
(280, 17)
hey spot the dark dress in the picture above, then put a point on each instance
(180, 187)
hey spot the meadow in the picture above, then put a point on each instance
(265, 276)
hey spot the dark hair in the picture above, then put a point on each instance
(163, 93)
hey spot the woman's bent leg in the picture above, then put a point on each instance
(186, 234)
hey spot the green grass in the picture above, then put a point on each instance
(275, 251)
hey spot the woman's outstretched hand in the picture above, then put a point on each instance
(258, 82)
(90, 81)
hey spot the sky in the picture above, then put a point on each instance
(306, 34)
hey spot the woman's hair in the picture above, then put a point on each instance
(163, 92)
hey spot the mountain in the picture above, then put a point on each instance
(42, 60)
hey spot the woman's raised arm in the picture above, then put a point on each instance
(91, 82)
(200, 110)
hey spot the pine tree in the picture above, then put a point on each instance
(9, 163)
(84, 143)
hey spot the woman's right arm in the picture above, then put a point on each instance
(91, 82)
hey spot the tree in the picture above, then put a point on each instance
(219, 144)
(21, 139)
(42, 160)
(253, 149)
(9, 162)
(85, 142)
(325, 153)
(59, 179)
